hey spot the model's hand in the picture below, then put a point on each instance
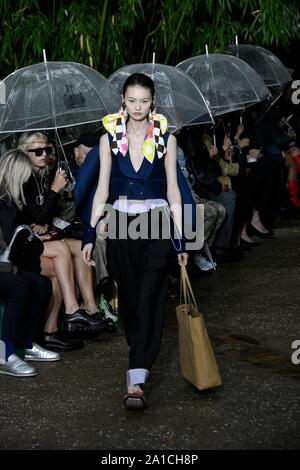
(87, 254)
(182, 258)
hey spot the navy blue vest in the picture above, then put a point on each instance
(149, 182)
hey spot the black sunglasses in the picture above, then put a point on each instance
(40, 150)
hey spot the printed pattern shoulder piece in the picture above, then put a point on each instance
(115, 124)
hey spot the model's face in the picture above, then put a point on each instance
(37, 161)
(138, 101)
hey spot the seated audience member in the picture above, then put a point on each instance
(250, 186)
(214, 214)
(40, 210)
(206, 171)
(25, 293)
(86, 154)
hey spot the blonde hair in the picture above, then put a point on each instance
(15, 171)
(29, 137)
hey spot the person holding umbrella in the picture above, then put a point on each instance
(39, 212)
(138, 163)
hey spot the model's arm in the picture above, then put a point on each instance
(102, 191)
(101, 194)
(173, 192)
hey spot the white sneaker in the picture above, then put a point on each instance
(37, 353)
(203, 263)
(17, 368)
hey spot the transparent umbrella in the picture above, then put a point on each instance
(267, 65)
(226, 82)
(53, 95)
(177, 96)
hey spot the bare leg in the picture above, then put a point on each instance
(56, 299)
(84, 276)
(244, 235)
(257, 223)
(62, 261)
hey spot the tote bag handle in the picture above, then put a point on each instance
(186, 288)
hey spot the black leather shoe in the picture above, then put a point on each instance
(106, 323)
(247, 244)
(61, 342)
(252, 231)
(80, 321)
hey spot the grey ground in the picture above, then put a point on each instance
(252, 313)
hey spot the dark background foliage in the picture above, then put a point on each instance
(107, 34)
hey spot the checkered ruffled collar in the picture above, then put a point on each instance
(115, 124)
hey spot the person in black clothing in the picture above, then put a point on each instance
(42, 199)
(28, 255)
(206, 171)
(24, 315)
(249, 185)
(139, 163)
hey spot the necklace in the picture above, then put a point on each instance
(40, 198)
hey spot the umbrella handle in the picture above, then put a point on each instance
(214, 139)
(72, 184)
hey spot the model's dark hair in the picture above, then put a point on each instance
(139, 79)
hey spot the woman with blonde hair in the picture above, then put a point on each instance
(14, 167)
(24, 314)
(42, 197)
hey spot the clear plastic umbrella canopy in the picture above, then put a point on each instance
(53, 95)
(177, 97)
(227, 83)
(267, 65)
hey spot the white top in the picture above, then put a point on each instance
(134, 207)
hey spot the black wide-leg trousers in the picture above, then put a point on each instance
(139, 266)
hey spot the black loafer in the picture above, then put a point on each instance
(247, 244)
(60, 341)
(106, 323)
(80, 321)
(252, 231)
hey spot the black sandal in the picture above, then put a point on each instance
(134, 401)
